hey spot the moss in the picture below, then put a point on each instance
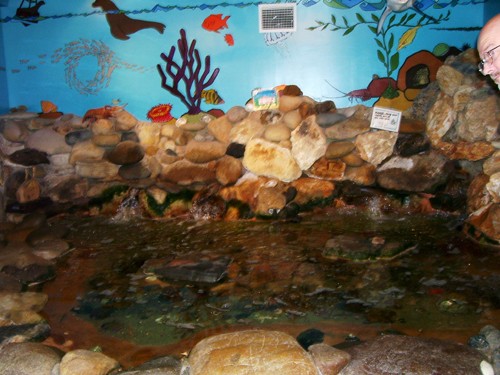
(158, 209)
(109, 195)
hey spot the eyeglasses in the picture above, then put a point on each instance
(488, 57)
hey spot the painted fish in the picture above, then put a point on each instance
(215, 22)
(229, 39)
(211, 97)
(48, 106)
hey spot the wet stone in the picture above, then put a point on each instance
(28, 359)
(236, 150)
(403, 354)
(77, 136)
(411, 144)
(201, 270)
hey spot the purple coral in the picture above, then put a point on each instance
(189, 72)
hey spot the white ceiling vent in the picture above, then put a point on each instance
(275, 18)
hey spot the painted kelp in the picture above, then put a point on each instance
(189, 71)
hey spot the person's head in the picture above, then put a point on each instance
(488, 46)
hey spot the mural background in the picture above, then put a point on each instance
(66, 53)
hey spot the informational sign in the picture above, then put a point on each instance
(385, 119)
(265, 99)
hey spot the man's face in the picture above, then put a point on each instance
(488, 40)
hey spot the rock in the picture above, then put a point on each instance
(194, 122)
(85, 151)
(149, 135)
(74, 137)
(292, 90)
(221, 127)
(129, 136)
(28, 359)
(327, 169)
(51, 249)
(292, 119)
(410, 125)
(236, 150)
(135, 171)
(338, 149)
(184, 172)
(328, 106)
(493, 187)
(157, 366)
(418, 173)
(79, 362)
(159, 195)
(106, 140)
(312, 190)
(265, 158)
(411, 144)
(48, 141)
(308, 143)
(270, 199)
(347, 129)
(98, 169)
(204, 152)
(375, 147)
(229, 170)
(29, 191)
(14, 131)
(466, 150)
(126, 152)
(441, 118)
(236, 114)
(124, 121)
(449, 79)
(492, 164)
(103, 126)
(67, 188)
(254, 351)
(329, 360)
(477, 194)
(327, 119)
(246, 130)
(485, 222)
(353, 159)
(310, 337)
(478, 121)
(394, 354)
(361, 175)
(277, 133)
(289, 103)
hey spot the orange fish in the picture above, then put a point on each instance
(215, 22)
(229, 39)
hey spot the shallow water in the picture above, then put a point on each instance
(443, 285)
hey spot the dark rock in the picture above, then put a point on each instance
(310, 337)
(130, 136)
(126, 152)
(325, 107)
(32, 274)
(29, 157)
(9, 283)
(235, 150)
(292, 90)
(134, 171)
(77, 136)
(404, 355)
(199, 270)
(29, 332)
(419, 173)
(411, 144)
(158, 366)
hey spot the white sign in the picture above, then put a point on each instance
(386, 119)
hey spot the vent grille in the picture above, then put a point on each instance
(275, 18)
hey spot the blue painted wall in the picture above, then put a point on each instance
(68, 56)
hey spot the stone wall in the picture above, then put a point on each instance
(446, 156)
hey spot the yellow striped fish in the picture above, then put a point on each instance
(211, 97)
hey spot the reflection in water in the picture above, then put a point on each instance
(141, 278)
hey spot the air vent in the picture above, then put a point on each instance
(274, 18)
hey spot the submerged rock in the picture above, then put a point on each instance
(394, 354)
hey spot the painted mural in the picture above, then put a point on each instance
(166, 60)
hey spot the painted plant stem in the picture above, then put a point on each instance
(189, 72)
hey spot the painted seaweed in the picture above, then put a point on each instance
(190, 72)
